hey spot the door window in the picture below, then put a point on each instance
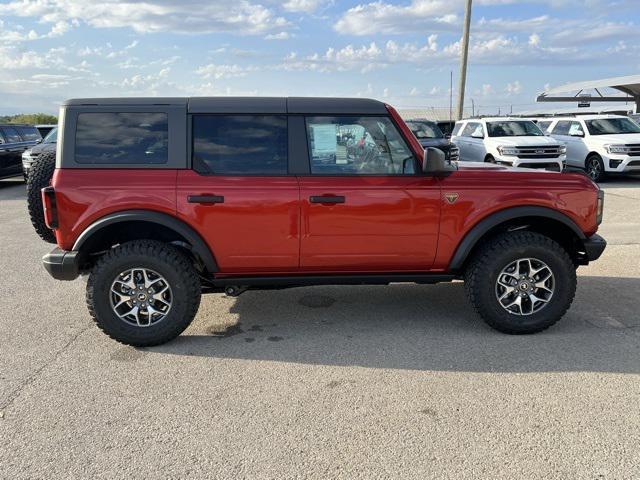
(562, 128)
(357, 146)
(240, 144)
(29, 134)
(473, 129)
(575, 129)
(456, 129)
(11, 135)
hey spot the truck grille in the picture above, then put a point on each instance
(544, 151)
(634, 150)
(552, 166)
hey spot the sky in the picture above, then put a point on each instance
(401, 52)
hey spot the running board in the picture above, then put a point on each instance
(302, 280)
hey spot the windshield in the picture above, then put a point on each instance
(607, 126)
(51, 137)
(512, 128)
(425, 130)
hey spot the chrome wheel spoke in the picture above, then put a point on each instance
(525, 286)
(144, 295)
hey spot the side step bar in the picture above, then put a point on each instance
(292, 281)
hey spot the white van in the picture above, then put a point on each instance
(599, 144)
(509, 141)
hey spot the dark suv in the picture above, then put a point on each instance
(14, 140)
(429, 135)
(161, 199)
(48, 144)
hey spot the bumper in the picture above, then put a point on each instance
(61, 264)
(621, 163)
(594, 246)
(556, 164)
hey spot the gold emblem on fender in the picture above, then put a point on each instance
(451, 197)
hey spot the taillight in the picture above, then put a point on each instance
(50, 207)
(600, 207)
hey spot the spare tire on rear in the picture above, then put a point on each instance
(40, 177)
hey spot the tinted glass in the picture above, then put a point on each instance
(562, 128)
(524, 128)
(240, 144)
(425, 130)
(11, 135)
(52, 136)
(457, 128)
(357, 146)
(543, 125)
(122, 138)
(473, 129)
(607, 126)
(29, 134)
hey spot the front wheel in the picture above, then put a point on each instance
(143, 293)
(594, 168)
(521, 282)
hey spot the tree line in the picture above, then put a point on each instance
(30, 118)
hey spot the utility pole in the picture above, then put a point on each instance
(464, 55)
(451, 97)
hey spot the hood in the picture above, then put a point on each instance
(434, 142)
(492, 167)
(524, 141)
(43, 147)
(617, 139)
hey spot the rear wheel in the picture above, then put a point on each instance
(39, 177)
(521, 282)
(594, 168)
(143, 293)
(489, 159)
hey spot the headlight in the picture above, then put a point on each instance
(508, 151)
(563, 149)
(617, 148)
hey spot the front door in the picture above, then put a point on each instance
(364, 207)
(238, 194)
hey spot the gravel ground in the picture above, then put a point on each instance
(323, 382)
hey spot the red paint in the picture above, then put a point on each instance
(267, 225)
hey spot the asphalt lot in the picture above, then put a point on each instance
(323, 382)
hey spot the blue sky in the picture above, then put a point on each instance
(399, 51)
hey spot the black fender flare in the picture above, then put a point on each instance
(483, 226)
(198, 246)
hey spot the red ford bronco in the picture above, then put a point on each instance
(161, 199)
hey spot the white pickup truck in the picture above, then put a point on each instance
(509, 141)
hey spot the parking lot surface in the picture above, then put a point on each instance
(322, 382)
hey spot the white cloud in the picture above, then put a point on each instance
(487, 89)
(514, 88)
(278, 36)
(188, 16)
(306, 6)
(224, 71)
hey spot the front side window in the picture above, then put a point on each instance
(29, 134)
(457, 129)
(575, 129)
(122, 138)
(52, 136)
(608, 126)
(520, 128)
(240, 144)
(357, 146)
(11, 134)
(473, 129)
(425, 130)
(562, 127)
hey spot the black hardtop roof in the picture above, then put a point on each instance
(273, 105)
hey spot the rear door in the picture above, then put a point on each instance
(239, 194)
(570, 133)
(365, 208)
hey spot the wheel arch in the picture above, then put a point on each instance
(122, 226)
(547, 221)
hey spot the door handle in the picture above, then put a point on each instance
(205, 199)
(327, 199)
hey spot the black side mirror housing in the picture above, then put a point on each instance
(436, 164)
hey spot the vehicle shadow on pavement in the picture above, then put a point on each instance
(12, 189)
(418, 328)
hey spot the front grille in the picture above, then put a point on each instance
(634, 150)
(543, 151)
(634, 163)
(553, 166)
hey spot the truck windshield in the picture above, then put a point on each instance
(425, 130)
(51, 137)
(523, 128)
(608, 126)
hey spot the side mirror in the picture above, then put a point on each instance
(435, 163)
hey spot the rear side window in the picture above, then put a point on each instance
(122, 138)
(29, 134)
(240, 144)
(11, 134)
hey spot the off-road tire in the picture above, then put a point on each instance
(482, 273)
(160, 257)
(595, 173)
(39, 177)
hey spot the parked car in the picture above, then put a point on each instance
(543, 124)
(635, 117)
(45, 129)
(14, 140)
(429, 135)
(48, 144)
(508, 141)
(599, 144)
(268, 198)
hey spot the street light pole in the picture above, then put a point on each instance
(464, 55)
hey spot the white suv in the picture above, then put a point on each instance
(599, 144)
(509, 141)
